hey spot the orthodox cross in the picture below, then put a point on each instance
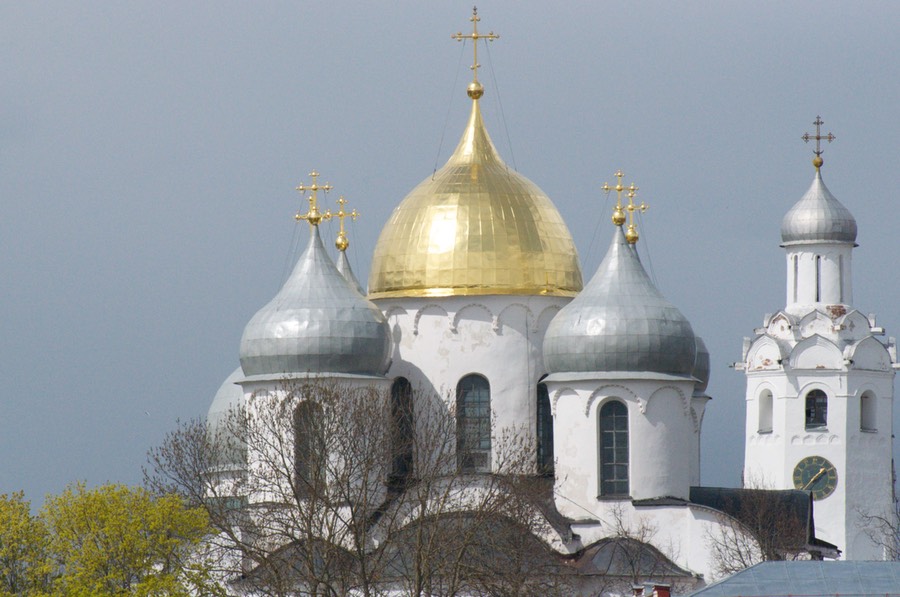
(618, 217)
(475, 88)
(819, 137)
(313, 216)
(631, 235)
(342, 242)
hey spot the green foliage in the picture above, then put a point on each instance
(25, 566)
(118, 540)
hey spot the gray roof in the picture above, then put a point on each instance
(620, 322)
(317, 323)
(343, 266)
(810, 579)
(818, 217)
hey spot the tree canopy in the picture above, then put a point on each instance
(108, 540)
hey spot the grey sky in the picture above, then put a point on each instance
(149, 151)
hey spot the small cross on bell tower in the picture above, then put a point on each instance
(819, 137)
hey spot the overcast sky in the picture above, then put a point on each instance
(149, 152)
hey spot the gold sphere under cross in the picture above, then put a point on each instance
(342, 241)
(618, 216)
(313, 216)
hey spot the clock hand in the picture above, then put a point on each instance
(815, 478)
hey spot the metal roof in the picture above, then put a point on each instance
(810, 579)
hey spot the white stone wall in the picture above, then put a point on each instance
(438, 341)
(825, 267)
(662, 427)
(863, 458)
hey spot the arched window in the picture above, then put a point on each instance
(868, 412)
(401, 431)
(473, 424)
(309, 447)
(614, 449)
(816, 410)
(544, 431)
(765, 412)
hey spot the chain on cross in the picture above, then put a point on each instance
(342, 242)
(313, 216)
(819, 137)
(476, 90)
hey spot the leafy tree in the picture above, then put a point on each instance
(119, 540)
(25, 566)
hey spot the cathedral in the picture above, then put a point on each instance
(476, 295)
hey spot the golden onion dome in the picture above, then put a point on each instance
(475, 228)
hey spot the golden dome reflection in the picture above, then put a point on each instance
(475, 228)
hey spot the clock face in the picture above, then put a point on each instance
(816, 474)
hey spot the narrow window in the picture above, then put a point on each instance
(544, 431)
(796, 274)
(614, 449)
(818, 278)
(473, 424)
(816, 410)
(841, 278)
(401, 431)
(309, 447)
(765, 412)
(867, 412)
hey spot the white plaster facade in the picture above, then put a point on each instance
(663, 436)
(820, 342)
(438, 341)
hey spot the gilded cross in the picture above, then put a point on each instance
(819, 137)
(475, 88)
(631, 235)
(313, 216)
(342, 242)
(618, 217)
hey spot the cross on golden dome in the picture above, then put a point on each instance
(342, 242)
(313, 216)
(819, 137)
(475, 89)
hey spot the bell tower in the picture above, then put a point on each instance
(819, 396)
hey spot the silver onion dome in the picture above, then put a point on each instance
(620, 322)
(222, 418)
(701, 366)
(818, 217)
(343, 266)
(316, 324)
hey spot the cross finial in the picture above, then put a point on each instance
(632, 235)
(313, 216)
(819, 137)
(475, 89)
(342, 242)
(618, 217)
